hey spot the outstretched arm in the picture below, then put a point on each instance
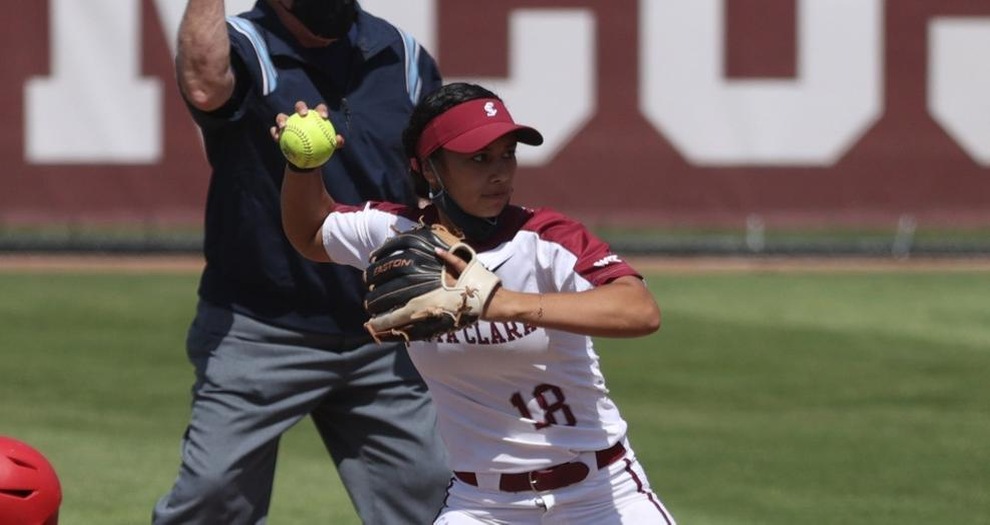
(622, 308)
(305, 201)
(202, 62)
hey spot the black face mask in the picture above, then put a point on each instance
(326, 18)
(475, 228)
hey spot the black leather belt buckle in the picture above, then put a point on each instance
(558, 477)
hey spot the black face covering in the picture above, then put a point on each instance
(326, 18)
(474, 228)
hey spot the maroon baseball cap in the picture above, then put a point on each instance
(472, 125)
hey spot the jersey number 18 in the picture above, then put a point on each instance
(549, 408)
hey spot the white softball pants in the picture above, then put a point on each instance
(617, 494)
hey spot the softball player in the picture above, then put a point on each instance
(532, 435)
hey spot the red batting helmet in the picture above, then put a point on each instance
(30, 493)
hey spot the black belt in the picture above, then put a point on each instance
(552, 478)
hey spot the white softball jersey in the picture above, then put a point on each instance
(510, 397)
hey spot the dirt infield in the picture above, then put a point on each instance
(190, 263)
(806, 264)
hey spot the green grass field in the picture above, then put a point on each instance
(767, 398)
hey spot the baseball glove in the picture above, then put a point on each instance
(410, 297)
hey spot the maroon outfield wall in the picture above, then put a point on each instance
(618, 168)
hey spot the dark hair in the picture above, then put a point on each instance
(429, 108)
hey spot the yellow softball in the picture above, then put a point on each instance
(308, 142)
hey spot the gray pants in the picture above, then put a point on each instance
(254, 381)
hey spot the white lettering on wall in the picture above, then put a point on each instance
(94, 107)
(811, 120)
(552, 76)
(959, 82)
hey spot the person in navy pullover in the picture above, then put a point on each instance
(276, 337)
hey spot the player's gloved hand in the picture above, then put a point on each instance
(412, 295)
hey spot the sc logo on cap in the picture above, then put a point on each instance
(490, 109)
